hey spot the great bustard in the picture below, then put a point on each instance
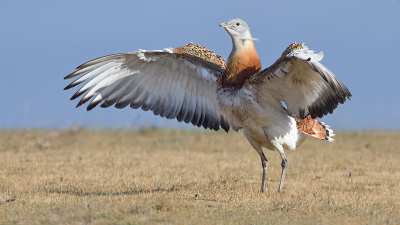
(192, 84)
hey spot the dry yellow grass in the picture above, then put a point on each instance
(182, 177)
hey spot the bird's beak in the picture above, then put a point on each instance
(224, 25)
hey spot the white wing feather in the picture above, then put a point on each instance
(305, 85)
(161, 81)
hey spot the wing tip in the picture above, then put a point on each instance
(105, 104)
(93, 104)
(71, 75)
(83, 101)
(69, 86)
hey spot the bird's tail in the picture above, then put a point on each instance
(314, 128)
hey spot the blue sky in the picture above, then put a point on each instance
(43, 41)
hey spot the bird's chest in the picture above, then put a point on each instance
(237, 104)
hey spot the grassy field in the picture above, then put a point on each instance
(187, 177)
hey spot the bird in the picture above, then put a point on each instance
(277, 107)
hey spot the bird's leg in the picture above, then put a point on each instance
(264, 163)
(284, 166)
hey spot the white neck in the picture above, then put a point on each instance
(238, 44)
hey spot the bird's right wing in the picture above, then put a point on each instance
(176, 83)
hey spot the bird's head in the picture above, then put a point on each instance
(238, 29)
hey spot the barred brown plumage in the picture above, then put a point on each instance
(314, 128)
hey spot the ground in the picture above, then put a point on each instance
(187, 177)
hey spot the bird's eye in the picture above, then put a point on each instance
(237, 24)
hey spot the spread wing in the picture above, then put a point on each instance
(173, 83)
(305, 85)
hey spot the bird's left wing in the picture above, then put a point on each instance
(305, 85)
(176, 83)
